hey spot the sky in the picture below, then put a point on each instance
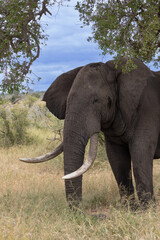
(67, 47)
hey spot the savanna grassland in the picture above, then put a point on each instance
(32, 197)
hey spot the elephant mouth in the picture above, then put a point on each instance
(57, 151)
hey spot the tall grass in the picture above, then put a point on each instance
(33, 205)
(32, 196)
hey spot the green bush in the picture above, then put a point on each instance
(1, 100)
(14, 97)
(30, 100)
(4, 99)
(42, 118)
(101, 139)
(13, 126)
(36, 94)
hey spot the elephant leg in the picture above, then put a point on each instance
(120, 161)
(142, 153)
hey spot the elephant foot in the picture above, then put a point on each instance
(127, 200)
(132, 204)
(74, 205)
(146, 200)
(144, 205)
(129, 203)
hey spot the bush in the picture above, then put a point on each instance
(101, 139)
(30, 100)
(14, 97)
(36, 94)
(3, 100)
(14, 123)
(42, 118)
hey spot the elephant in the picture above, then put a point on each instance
(125, 107)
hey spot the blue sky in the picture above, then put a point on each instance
(67, 47)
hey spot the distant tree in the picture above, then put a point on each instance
(21, 35)
(124, 27)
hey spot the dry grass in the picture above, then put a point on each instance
(33, 205)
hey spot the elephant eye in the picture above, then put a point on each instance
(95, 100)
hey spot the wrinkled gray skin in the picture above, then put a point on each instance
(126, 107)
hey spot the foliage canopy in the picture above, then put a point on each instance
(125, 27)
(21, 34)
(120, 27)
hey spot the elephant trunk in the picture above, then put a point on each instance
(74, 151)
(89, 161)
(75, 141)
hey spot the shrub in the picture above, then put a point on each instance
(1, 100)
(30, 100)
(14, 97)
(36, 94)
(4, 99)
(14, 123)
(101, 139)
(42, 118)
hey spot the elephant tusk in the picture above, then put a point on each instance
(58, 150)
(89, 161)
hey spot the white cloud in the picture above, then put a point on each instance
(67, 46)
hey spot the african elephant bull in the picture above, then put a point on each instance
(125, 107)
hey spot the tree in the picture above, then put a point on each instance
(121, 27)
(124, 27)
(21, 35)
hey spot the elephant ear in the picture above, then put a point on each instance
(130, 87)
(56, 95)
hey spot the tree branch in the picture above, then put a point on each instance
(26, 70)
(44, 9)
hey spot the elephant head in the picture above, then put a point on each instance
(88, 98)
